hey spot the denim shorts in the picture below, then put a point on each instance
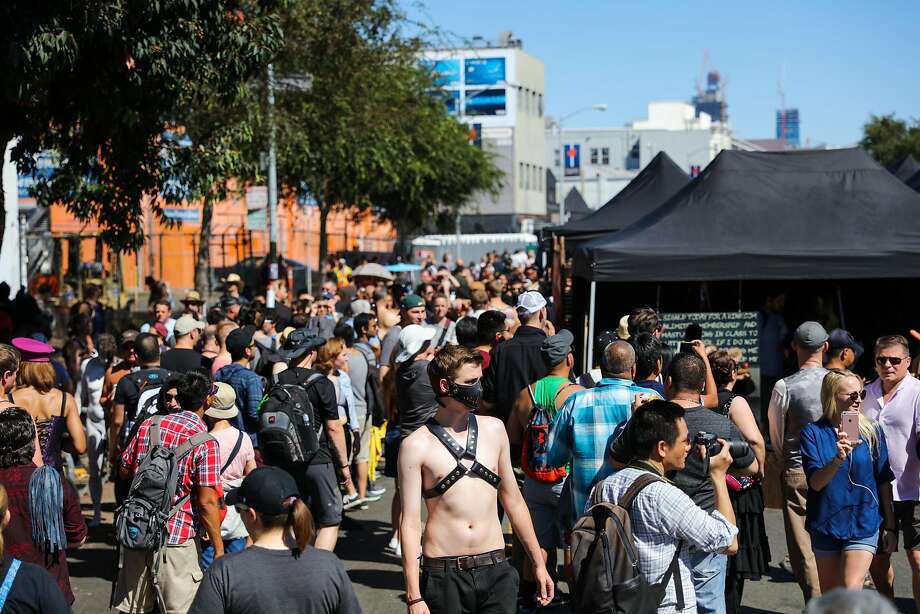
(826, 545)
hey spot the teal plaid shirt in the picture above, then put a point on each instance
(581, 431)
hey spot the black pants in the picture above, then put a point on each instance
(484, 590)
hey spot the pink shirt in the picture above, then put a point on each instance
(900, 421)
(226, 438)
(220, 361)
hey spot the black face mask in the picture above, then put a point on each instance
(470, 395)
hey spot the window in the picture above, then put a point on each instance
(556, 157)
(594, 155)
(540, 105)
(605, 156)
(533, 183)
(521, 175)
(541, 177)
(533, 101)
(526, 176)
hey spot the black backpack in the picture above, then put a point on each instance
(288, 428)
(605, 560)
(149, 385)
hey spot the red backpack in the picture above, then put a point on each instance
(535, 451)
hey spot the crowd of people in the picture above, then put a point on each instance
(238, 436)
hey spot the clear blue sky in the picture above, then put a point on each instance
(843, 60)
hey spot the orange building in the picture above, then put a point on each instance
(238, 233)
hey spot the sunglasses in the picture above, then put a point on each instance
(170, 397)
(857, 396)
(894, 360)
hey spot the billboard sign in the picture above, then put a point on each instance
(572, 160)
(484, 71)
(485, 102)
(444, 72)
(181, 214)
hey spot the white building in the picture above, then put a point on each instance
(601, 161)
(497, 89)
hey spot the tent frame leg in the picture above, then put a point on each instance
(589, 354)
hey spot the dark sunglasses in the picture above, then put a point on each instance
(894, 360)
(854, 396)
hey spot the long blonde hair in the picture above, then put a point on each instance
(868, 428)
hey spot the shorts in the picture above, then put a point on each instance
(364, 446)
(542, 501)
(907, 514)
(391, 445)
(179, 576)
(319, 488)
(827, 545)
(486, 590)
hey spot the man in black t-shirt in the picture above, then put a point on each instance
(184, 357)
(126, 397)
(319, 479)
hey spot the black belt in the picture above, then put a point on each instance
(465, 563)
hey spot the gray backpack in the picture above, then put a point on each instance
(142, 519)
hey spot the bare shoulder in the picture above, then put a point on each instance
(490, 424)
(416, 443)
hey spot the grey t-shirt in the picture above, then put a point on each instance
(693, 479)
(388, 346)
(415, 400)
(357, 371)
(262, 581)
(803, 396)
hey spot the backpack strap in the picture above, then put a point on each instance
(154, 434)
(533, 398)
(638, 484)
(233, 453)
(674, 570)
(8, 581)
(561, 388)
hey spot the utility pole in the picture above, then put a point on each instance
(272, 175)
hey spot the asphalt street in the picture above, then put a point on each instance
(377, 577)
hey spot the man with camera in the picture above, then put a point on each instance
(685, 382)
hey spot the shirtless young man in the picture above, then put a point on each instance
(463, 565)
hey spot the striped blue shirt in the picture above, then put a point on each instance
(582, 428)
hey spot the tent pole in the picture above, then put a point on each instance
(589, 355)
(658, 299)
(740, 288)
(843, 320)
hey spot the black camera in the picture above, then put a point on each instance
(713, 446)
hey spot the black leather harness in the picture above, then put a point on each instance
(469, 453)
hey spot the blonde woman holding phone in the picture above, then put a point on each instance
(849, 512)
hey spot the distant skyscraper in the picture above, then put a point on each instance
(787, 126)
(712, 100)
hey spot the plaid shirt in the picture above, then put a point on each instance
(661, 516)
(581, 430)
(249, 389)
(200, 468)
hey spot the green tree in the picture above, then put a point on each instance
(369, 133)
(98, 83)
(889, 139)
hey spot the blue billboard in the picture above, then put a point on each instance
(444, 72)
(484, 71)
(485, 102)
(572, 160)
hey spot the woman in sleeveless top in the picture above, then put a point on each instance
(751, 561)
(53, 410)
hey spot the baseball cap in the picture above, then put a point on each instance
(222, 402)
(229, 301)
(299, 342)
(187, 324)
(265, 490)
(810, 335)
(411, 301)
(239, 339)
(530, 302)
(840, 338)
(412, 339)
(554, 349)
(360, 306)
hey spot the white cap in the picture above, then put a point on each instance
(187, 324)
(530, 302)
(360, 306)
(411, 340)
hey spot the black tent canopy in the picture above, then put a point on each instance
(659, 180)
(575, 206)
(770, 215)
(905, 168)
(914, 181)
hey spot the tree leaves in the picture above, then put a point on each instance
(889, 139)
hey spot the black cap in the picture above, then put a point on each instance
(240, 339)
(265, 490)
(299, 342)
(229, 301)
(840, 338)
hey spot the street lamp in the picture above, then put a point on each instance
(560, 179)
(298, 83)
